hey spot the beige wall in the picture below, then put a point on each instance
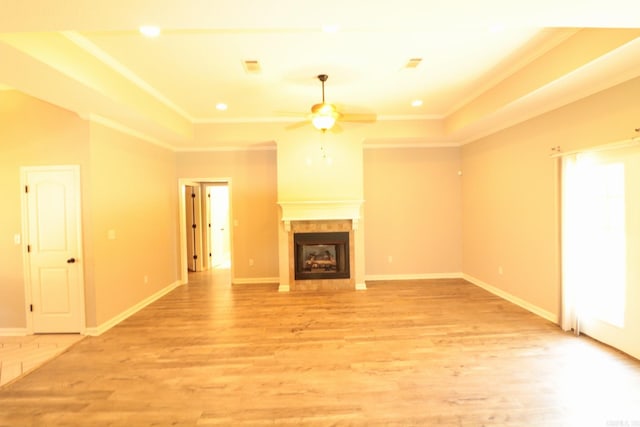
(32, 133)
(128, 186)
(320, 167)
(510, 192)
(412, 211)
(254, 214)
(134, 194)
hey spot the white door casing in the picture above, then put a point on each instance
(54, 285)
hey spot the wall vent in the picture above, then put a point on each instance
(413, 63)
(252, 66)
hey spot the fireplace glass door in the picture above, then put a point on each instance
(321, 255)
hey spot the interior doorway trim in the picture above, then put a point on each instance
(182, 183)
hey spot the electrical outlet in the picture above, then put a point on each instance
(389, 259)
(250, 262)
(146, 279)
(500, 271)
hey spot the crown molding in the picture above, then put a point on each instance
(118, 67)
(112, 124)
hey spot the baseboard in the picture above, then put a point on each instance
(425, 276)
(255, 281)
(13, 332)
(513, 299)
(498, 292)
(101, 329)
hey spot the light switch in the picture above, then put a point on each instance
(111, 234)
(16, 239)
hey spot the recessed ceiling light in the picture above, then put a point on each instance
(221, 106)
(496, 28)
(330, 28)
(416, 103)
(150, 31)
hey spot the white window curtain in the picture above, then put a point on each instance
(570, 260)
(594, 236)
(594, 241)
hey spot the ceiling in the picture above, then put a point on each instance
(88, 57)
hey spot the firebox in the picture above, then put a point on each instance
(321, 255)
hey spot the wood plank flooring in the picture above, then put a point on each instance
(425, 353)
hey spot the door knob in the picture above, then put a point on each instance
(71, 260)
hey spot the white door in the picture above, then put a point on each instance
(189, 196)
(194, 228)
(54, 255)
(206, 236)
(219, 233)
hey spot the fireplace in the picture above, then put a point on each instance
(320, 247)
(321, 255)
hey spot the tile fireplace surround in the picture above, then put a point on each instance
(321, 217)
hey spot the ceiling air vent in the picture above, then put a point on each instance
(413, 63)
(251, 66)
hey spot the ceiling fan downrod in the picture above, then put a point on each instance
(323, 78)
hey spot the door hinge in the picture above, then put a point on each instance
(26, 188)
(31, 308)
(28, 248)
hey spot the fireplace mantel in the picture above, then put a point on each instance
(320, 210)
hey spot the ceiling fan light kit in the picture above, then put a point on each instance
(324, 121)
(324, 115)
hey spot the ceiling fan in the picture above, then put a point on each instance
(324, 115)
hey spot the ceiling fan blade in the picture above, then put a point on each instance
(292, 114)
(359, 117)
(297, 125)
(336, 128)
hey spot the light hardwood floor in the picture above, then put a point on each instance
(424, 353)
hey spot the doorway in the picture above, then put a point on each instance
(52, 230)
(205, 231)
